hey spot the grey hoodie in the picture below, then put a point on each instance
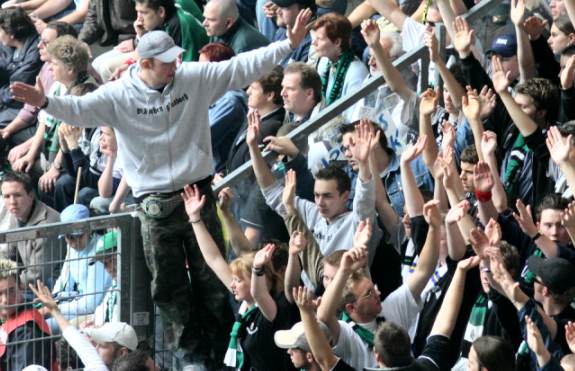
(164, 136)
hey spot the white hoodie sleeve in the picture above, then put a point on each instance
(85, 350)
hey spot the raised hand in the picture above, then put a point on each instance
(363, 141)
(450, 177)
(288, 195)
(431, 213)
(304, 299)
(464, 37)
(471, 105)
(414, 150)
(225, 198)
(517, 12)
(25, 93)
(488, 144)
(479, 242)
(568, 215)
(558, 145)
(431, 42)
(493, 232)
(43, 295)
(457, 212)
(254, 125)
(194, 201)
(488, 102)
(297, 33)
(568, 73)
(534, 339)
(570, 335)
(428, 102)
(482, 177)
(297, 243)
(534, 26)
(501, 79)
(354, 259)
(362, 234)
(264, 255)
(525, 219)
(370, 33)
(447, 134)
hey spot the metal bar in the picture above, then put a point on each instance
(343, 103)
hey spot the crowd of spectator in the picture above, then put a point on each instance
(424, 228)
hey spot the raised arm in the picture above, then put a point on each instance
(263, 174)
(427, 106)
(240, 243)
(483, 182)
(259, 288)
(471, 107)
(501, 83)
(447, 316)
(559, 149)
(524, 218)
(194, 203)
(489, 149)
(456, 246)
(456, 91)
(427, 261)
(413, 198)
(392, 76)
(361, 12)
(569, 220)
(390, 10)
(352, 260)
(318, 343)
(297, 244)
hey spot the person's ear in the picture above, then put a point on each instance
(162, 12)
(146, 63)
(309, 357)
(124, 351)
(349, 308)
(345, 195)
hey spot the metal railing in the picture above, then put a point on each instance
(343, 103)
(132, 277)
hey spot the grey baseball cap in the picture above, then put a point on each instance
(158, 45)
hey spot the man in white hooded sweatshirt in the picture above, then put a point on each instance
(159, 111)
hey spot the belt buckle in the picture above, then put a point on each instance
(152, 207)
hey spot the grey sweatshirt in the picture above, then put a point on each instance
(164, 136)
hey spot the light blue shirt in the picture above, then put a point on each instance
(83, 283)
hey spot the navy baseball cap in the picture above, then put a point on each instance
(504, 46)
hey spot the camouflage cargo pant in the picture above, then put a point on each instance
(193, 303)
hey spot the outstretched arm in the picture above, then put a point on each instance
(259, 289)
(390, 10)
(392, 76)
(413, 198)
(238, 239)
(447, 316)
(427, 106)
(427, 261)
(297, 244)
(194, 202)
(263, 174)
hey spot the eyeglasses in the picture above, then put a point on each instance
(372, 292)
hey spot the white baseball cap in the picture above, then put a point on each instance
(114, 332)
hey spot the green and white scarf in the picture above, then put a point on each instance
(235, 355)
(365, 334)
(341, 67)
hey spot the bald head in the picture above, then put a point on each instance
(219, 16)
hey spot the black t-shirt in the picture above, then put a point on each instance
(257, 341)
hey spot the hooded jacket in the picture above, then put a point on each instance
(163, 134)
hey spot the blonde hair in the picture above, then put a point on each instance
(71, 52)
(8, 268)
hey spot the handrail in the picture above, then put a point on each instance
(368, 87)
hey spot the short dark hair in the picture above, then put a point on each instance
(217, 52)
(563, 23)
(334, 172)
(132, 361)
(350, 128)
(21, 178)
(62, 28)
(16, 22)
(168, 5)
(336, 27)
(469, 155)
(511, 260)
(545, 96)
(392, 344)
(458, 74)
(272, 83)
(494, 353)
(309, 78)
(552, 201)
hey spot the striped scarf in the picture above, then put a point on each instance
(234, 355)
(514, 165)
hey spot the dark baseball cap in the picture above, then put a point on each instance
(504, 46)
(557, 274)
